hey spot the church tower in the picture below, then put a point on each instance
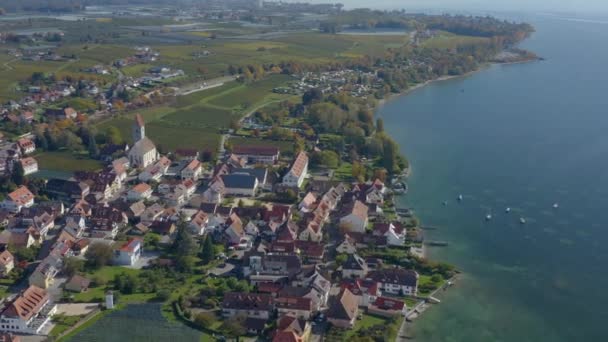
(139, 128)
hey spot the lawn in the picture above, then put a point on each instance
(344, 172)
(107, 274)
(66, 161)
(63, 323)
(286, 147)
(365, 322)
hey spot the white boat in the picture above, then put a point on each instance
(460, 197)
(555, 205)
(508, 210)
(522, 220)
(488, 217)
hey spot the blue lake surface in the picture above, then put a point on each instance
(523, 136)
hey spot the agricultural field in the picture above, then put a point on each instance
(446, 40)
(196, 119)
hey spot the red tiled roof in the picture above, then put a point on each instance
(294, 303)
(21, 196)
(360, 210)
(130, 245)
(299, 164)
(28, 304)
(384, 303)
(141, 188)
(256, 150)
(139, 120)
(193, 165)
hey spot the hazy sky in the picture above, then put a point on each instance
(574, 6)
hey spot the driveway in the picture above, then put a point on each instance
(77, 309)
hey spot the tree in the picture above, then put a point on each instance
(70, 141)
(51, 139)
(18, 175)
(207, 253)
(184, 244)
(204, 319)
(341, 258)
(92, 146)
(380, 125)
(24, 254)
(114, 136)
(99, 254)
(326, 158)
(233, 327)
(72, 266)
(311, 96)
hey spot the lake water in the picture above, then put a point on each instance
(523, 136)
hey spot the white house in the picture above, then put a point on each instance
(193, 170)
(186, 187)
(7, 263)
(308, 203)
(298, 172)
(357, 218)
(155, 171)
(354, 267)
(29, 313)
(396, 281)
(257, 154)
(395, 233)
(26, 145)
(29, 165)
(234, 231)
(199, 222)
(129, 253)
(139, 192)
(18, 199)
(367, 290)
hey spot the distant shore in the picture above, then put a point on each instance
(447, 78)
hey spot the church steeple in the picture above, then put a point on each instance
(139, 128)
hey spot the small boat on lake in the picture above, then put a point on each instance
(445, 203)
(508, 210)
(555, 205)
(522, 220)
(460, 198)
(489, 217)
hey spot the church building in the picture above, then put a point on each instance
(143, 153)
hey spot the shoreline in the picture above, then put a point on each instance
(418, 86)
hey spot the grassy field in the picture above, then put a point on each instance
(66, 161)
(365, 322)
(447, 40)
(63, 323)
